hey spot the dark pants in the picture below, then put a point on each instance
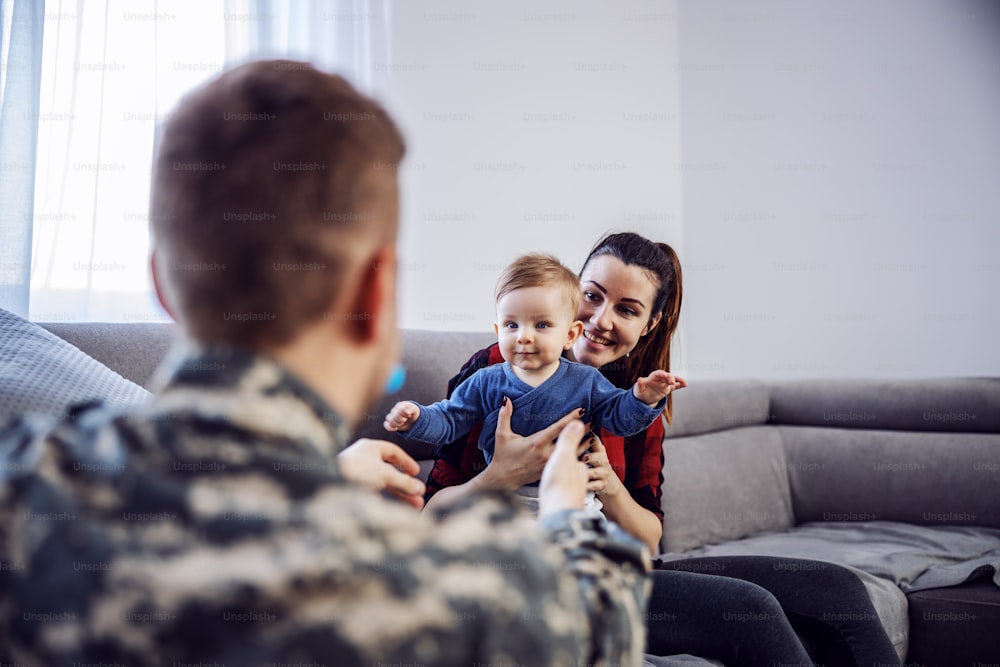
(765, 611)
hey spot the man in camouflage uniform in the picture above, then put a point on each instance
(225, 522)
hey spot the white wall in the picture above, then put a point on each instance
(531, 127)
(828, 171)
(841, 196)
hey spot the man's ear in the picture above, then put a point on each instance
(161, 293)
(652, 324)
(575, 331)
(374, 292)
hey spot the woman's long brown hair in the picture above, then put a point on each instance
(662, 265)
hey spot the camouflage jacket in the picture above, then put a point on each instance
(212, 527)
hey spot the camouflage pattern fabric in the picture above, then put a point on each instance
(212, 527)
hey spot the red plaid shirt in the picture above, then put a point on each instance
(636, 459)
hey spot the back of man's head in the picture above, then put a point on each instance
(268, 180)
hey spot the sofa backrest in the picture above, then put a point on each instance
(742, 455)
(431, 359)
(840, 474)
(917, 451)
(133, 350)
(724, 485)
(942, 405)
(716, 405)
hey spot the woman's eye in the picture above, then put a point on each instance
(589, 296)
(627, 311)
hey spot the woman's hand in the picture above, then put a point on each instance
(518, 459)
(383, 466)
(619, 505)
(601, 477)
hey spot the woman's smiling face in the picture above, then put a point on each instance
(614, 308)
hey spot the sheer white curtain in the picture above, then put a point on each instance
(111, 71)
(21, 27)
(349, 36)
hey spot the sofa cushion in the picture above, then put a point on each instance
(923, 478)
(897, 557)
(944, 405)
(431, 359)
(889, 557)
(912, 557)
(892, 607)
(722, 486)
(716, 405)
(888, 600)
(41, 373)
(134, 350)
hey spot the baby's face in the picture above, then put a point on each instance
(534, 327)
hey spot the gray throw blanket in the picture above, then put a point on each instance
(912, 557)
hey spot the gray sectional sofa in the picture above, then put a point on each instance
(897, 479)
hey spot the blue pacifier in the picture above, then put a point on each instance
(396, 379)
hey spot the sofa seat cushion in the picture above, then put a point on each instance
(912, 557)
(42, 374)
(890, 558)
(683, 660)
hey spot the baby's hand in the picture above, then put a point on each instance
(656, 386)
(401, 417)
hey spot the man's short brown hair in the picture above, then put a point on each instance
(263, 179)
(539, 270)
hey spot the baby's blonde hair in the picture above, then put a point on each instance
(539, 270)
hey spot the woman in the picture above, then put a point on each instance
(632, 292)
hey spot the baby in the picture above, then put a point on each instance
(537, 300)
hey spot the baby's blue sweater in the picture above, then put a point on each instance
(572, 386)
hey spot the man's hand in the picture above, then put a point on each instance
(401, 417)
(564, 479)
(383, 466)
(656, 386)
